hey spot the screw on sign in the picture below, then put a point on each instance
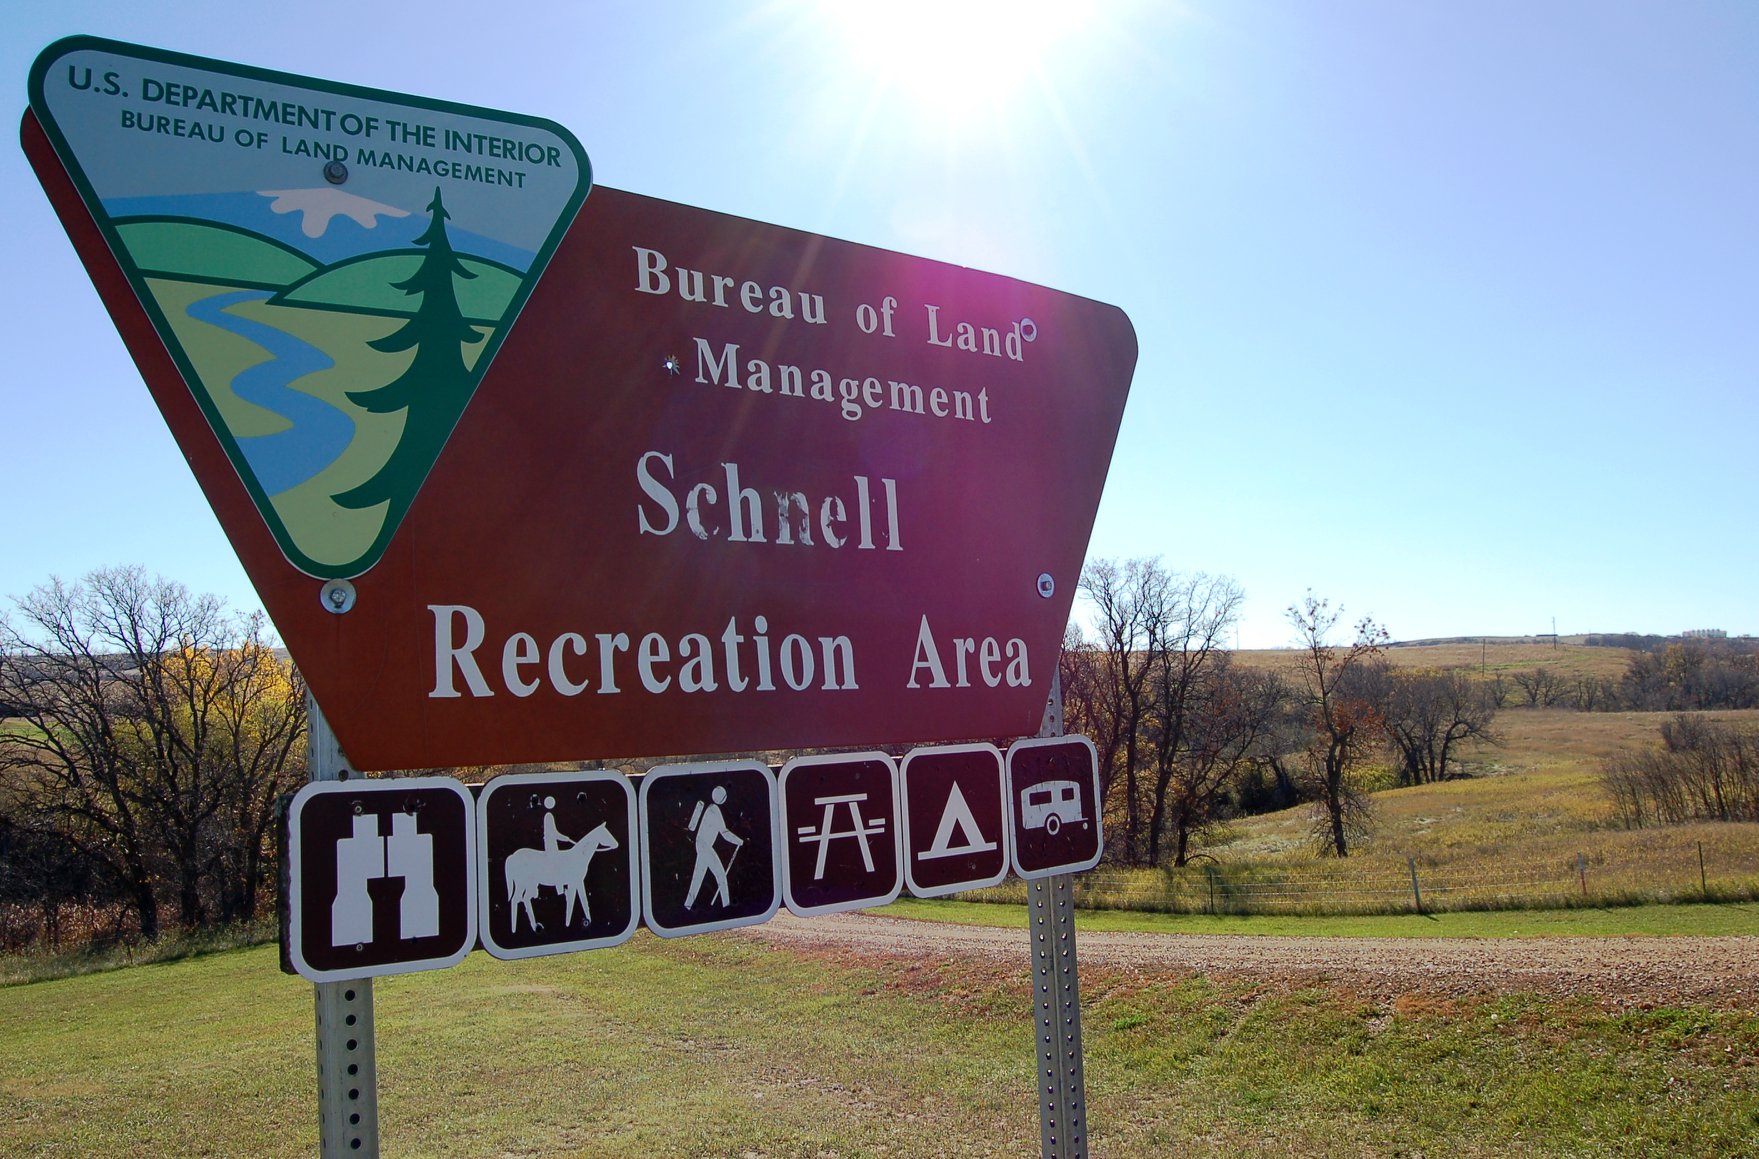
(955, 819)
(843, 849)
(381, 878)
(711, 847)
(556, 855)
(1053, 789)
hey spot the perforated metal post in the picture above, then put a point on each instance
(348, 1077)
(1056, 997)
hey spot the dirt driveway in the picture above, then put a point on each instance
(1624, 970)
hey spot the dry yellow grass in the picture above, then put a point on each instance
(1489, 658)
(1510, 836)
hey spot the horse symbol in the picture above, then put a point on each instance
(563, 870)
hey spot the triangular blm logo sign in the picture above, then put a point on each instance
(330, 268)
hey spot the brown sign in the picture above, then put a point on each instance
(381, 878)
(725, 486)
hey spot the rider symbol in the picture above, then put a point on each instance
(709, 826)
(561, 865)
(553, 839)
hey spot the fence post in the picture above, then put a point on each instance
(1416, 893)
(1703, 882)
(1209, 875)
(1582, 871)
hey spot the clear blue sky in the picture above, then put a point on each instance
(1448, 312)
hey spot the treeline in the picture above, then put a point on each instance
(1188, 737)
(149, 734)
(1681, 676)
(1706, 770)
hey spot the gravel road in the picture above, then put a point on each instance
(1622, 970)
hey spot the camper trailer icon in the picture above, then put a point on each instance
(1049, 805)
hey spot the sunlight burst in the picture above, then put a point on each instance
(952, 58)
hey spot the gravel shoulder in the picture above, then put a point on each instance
(1719, 971)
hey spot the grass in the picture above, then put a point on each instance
(1507, 837)
(103, 955)
(1492, 658)
(715, 1046)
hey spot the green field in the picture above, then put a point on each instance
(723, 1046)
(719, 1046)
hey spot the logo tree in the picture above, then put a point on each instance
(432, 391)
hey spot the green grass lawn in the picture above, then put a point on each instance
(717, 1046)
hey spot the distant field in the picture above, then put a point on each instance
(1508, 837)
(1489, 658)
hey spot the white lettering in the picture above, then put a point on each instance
(650, 275)
(460, 631)
(927, 656)
(575, 643)
(448, 655)
(659, 493)
(519, 652)
(653, 650)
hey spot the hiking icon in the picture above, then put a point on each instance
(710, 847)
(710, 826)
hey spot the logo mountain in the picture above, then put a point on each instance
(331, 268)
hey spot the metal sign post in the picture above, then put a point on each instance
(1056, 997)
(348, 1079)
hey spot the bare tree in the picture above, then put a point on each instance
(1429, 715)
(1196, 613)
(157, 730)
(1542, 687)
(1224, 729)
(1705, 770)
(1345, 717)
(1130, 609)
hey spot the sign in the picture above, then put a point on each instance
(955, 819)
(711, 847)
(1053, 790)
(381, 877)
(330, 269)
(557, 860)
(842, 848)
(723, 486)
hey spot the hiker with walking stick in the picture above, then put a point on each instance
(710, 826)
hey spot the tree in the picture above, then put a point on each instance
(1195, 614)
(1705, 770)
(1273, 778)
(1343, 714)
(1130, 605)
(1542, 687)
(436, 385)
(1224, 728)
(156, 730)
(1429, 715)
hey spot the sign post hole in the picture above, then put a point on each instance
(348, 1076)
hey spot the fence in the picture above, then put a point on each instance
(1417, 885)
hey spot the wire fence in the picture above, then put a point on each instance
(1417, 885)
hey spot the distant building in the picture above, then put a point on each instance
(1704, 634)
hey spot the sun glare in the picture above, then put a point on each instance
(954, 58)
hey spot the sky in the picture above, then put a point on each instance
(1448, 313)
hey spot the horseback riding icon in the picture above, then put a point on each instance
(710, 827)
(561, 865)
